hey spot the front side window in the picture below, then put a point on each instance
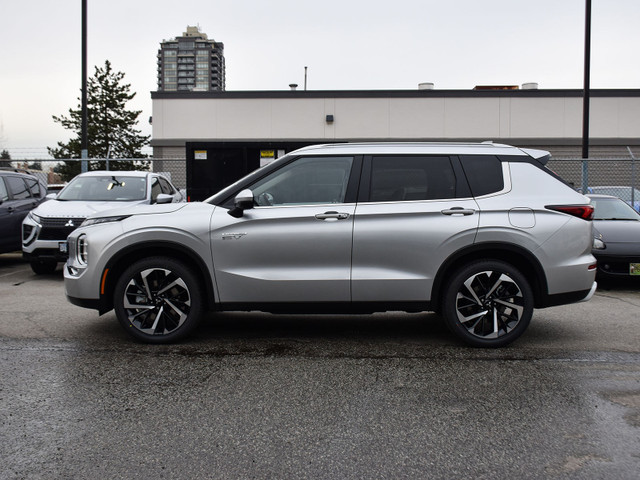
(105, 188)
(156, 189)
(166, 186)
(411, 178)
(34, 186)
(305, 181)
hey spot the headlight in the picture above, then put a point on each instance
(82, 249)
(35, 218)
(98, 220)
(598, 244)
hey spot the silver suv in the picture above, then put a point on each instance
(480, 233)
(45, 229)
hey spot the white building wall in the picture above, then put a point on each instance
(499, 118)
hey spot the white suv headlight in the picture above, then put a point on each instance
(82, 249)
(98, 220)
(35, 218)
(598, 243)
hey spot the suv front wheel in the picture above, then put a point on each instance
(158, 300)
(44, 267)
(488, 303)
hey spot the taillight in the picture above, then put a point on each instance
(581, 211)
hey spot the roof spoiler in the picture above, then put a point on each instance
(541, 156)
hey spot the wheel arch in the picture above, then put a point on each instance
(125, 257)
(515, 255)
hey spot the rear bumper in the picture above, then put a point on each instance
(570, 297)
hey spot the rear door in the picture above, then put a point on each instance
(412, 213)
(13, 210)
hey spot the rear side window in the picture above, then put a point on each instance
(405, 178)
(18, 188)
(484, 173)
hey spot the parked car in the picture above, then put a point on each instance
(481, 233)
(19, 193)
(45, 229)
(616, 228)
(622, 192)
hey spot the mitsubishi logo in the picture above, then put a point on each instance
(69, 223)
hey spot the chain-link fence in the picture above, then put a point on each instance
(618, 177)
(56, 172)
(613, 176)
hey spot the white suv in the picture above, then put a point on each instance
(45, 229)
(480, 233)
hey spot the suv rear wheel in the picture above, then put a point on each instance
(158, 300)
(488, 303)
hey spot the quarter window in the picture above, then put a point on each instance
(305, 181)
(396, 179)
(484, 173)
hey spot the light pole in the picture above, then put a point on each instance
(587, 97)
(84, 142)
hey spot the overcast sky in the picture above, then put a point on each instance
(347, 45)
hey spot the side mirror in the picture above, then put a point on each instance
(163, 198)
(242, 202)
(51, 196)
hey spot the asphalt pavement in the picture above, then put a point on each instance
(321, 397)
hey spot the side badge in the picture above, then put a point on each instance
(232, 236)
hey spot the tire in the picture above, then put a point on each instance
(158, 300)
(44, 267)
(488, 303)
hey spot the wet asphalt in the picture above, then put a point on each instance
(320, 397)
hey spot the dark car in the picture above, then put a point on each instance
(616, 229)
(20, 192)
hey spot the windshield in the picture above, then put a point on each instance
(107, 188)
(621, 192)
(613, 209)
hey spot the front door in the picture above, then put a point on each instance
(295, 244)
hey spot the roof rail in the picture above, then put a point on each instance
(16, 170)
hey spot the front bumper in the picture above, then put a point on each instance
(617, 265)
(45, 254)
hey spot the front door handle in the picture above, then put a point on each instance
(458, 211)
(332, 216)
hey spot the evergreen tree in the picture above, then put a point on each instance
(111, 128)
(5, 159)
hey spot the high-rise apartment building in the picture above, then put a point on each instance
(191, 62)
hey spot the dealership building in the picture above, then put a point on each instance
(239, 130)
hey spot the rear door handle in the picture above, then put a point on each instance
(458, 211)
(332, 216)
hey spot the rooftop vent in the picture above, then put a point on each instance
(426, 86)
(530, 86)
